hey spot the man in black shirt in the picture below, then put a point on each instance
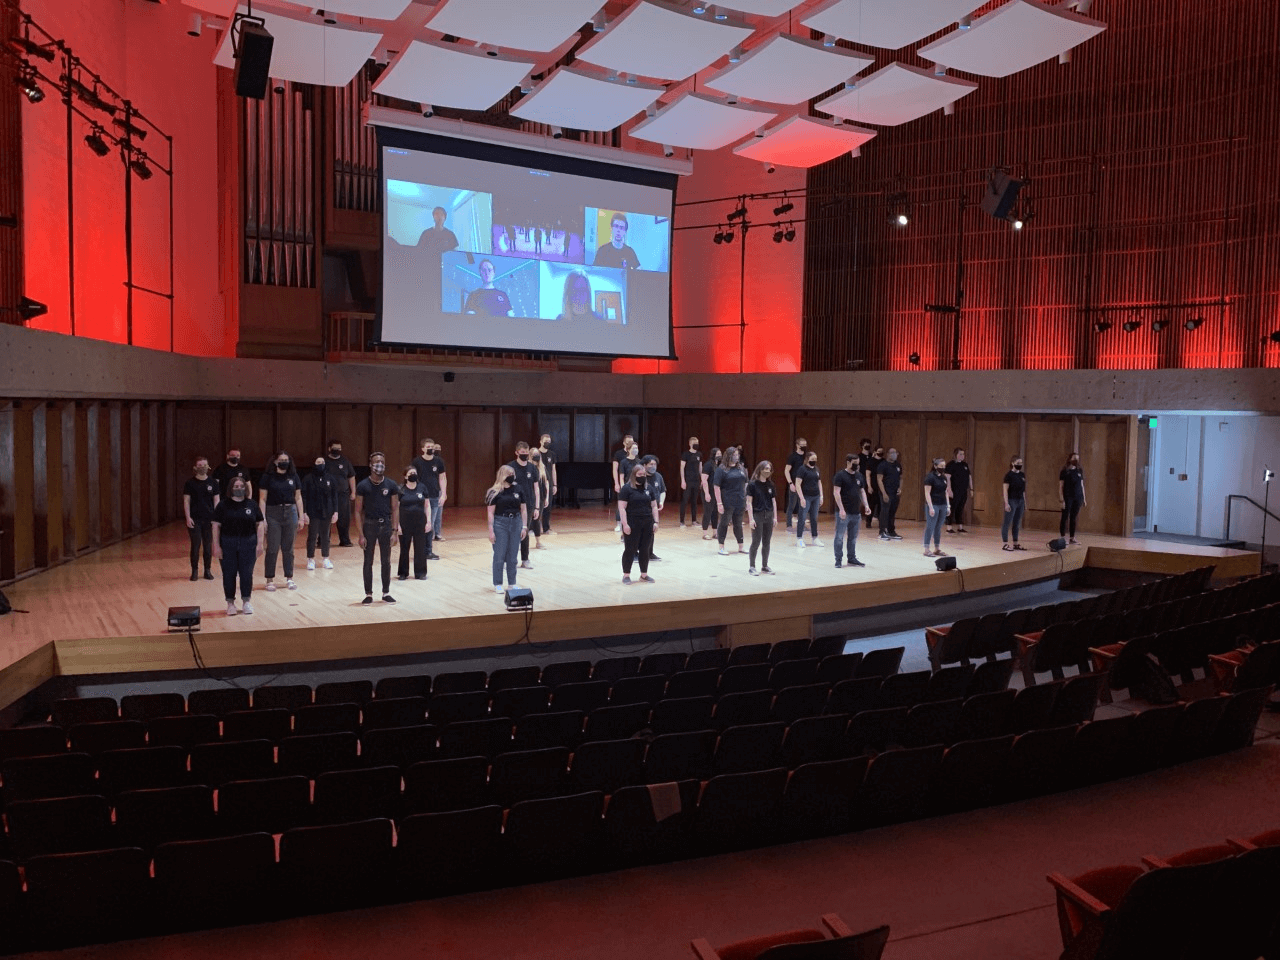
(710, 514)
(232, 468)
(958, 471)
(438, 239)
(690, 480)
(870, 460)
(377, 518)
(432, 476)
(200, 495)
(616, 253)
(341, 469)
(849, 488)
(527, 481)
(549, 464)
(794, 462)
(889, 480)
(320, 493)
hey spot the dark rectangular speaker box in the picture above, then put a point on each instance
(945, 563)
(253, 62)
(1001, 195)
(1059, 544)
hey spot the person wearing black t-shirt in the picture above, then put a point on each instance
(730, 483)
(937, 505)
(1014, 489)
(638, 515)
(233, 467)
(320, 492)
(794, 462)
(526, 475)
(415, 524)
(710, 515)
(849, 488)
(487, 299)
(690, 480)
(239, 537)
(508, 524)
(544, 496)
(763, 497)
(342, 470)
(438, 239)
(280, 493)
(889, 480)
(657, 487)
(377, 518)
(870, 462)
(616, 253)
(433, 476)
(808, 487)
(617, 461)
(199, 497)
(1070, 496)
(548, 464)
(958, 471)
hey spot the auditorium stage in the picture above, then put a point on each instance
(105, 612)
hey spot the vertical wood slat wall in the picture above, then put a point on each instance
(1150, 161)
(11, 266)
(355, 148)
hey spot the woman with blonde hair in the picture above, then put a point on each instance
(764, 514)
(508, 524)
(544, 496)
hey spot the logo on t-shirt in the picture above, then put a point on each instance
(386, 492)
(291, 483)
(209, 487)
(248, 512)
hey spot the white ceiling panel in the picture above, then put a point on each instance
(803, 142)
(656, 39)
(369, 9)
(450, 75)
(701, 122)
(524, 24)
(1010, 38)
(308, 51)
(895, 94)
(763, 8)
(789, 69)
(887, 23)
(584, 101)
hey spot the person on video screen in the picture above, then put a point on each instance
(616, 253)
(488, 300)
(577, 298)
(439, 238)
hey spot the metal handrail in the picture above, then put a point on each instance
(1241, 496)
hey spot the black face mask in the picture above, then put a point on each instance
(282, 466)
(412, 477)
(335, 452)
(233, 460)
(522, 457)
(1018, 467)
(318, 470)
(509, 481)
(812, 464)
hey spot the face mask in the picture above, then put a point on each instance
(282, 465)
(639, 481)
(412, 476)
(1018, 467)
(509, 481)
(545, 445)
(693, 446)
(522, 457)
(201, 471)
(379, 468)
(634, 452)
(803, 448)
(335, 451)
(813, 463)
(233, 460)
(318, 470)
(937, 470)
(237, 493)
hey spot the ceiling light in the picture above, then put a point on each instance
(32, 49)
(139, 166)
(735, 55)
(856, 152)
(26, 81)
(631, 78)
(598, 22)
(786, 207)
(557, 133)
(965, 23)
(902, 220)
(828, 40)
(1017, 223)
(777, 233)
(731, 98)
(96, 143)
(130, 128)
(949, 109)
(699, 8)
(899, 211)
(526, 85)
(1130, 325)
(720, 14)
(1102, 326)
(328, 18)
(790, 234)
(1158, 325)
(913, 358)
(1194, 323)
(195, 25)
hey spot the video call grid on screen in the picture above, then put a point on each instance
(495, 255)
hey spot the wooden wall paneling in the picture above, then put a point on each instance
(253, 430)
(349, 423)
(773, 443)
(620, 424)
(299, 430)
(820, 431)
(89, 502)
(71, 482)
(393, 434)
(44, 501)
(700, 424)
(198, 432)
(1131, 474)
(1103, 457)
(905, 435)
(559, 424)
(850, 429)
(1048, 444)
(153, 468)
(663, 441)
(131, 435)
(995, 441)
(735, 430)
(515, 425)
(942, 435)
(478, 458)
(590, 437)
(168, 444)
(110, 466)
(441, 425)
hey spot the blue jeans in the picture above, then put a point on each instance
(506, 548)
(847, 530)
(809, 510)
(436, 516)
(933, 525)
(1013, 517)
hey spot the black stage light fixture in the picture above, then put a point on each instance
(1194, 323)
(26, 81)
(739, 213)
(1130, 325)
(913, 358)
(1001, 195)
(719, 237)
(32, 49)
(790, 234)
(519, 598)
(89, 95)
(728, 236)
(1058, 544)
(945, 563)
(1275, 336)
(139, 166)
(253, 45)
(96, 143)
(29, 309)
(1102, 326)
(1158, 325)
(778, 234)
(899, 214)
(785, 207)
(129, 127)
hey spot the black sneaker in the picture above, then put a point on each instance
(856, 563)
(654, 556)
(388, 598)
(194, 576)
(885, 536)
(433, 556)
(423, 577)
(208, 575)
(894, 536)
(403, 576)
(839, 564)
(367, 600)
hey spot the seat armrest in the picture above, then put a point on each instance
(837, 926)
(1078, 895)
(703, 950)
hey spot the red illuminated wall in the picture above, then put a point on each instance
(142, 50)
(1152, 172)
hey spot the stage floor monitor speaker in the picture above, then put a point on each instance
(945, 563)
(184, 618)
(519, 598)
(1059, 544)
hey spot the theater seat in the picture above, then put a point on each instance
(803, 944)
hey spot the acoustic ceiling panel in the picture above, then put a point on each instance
(803, 142)
(583, 101)
(656, 39)
(763, 8)
(525, 25)
(1013, 37)
(369, 9)
(450, 75)
(789, 69)
(895, 94)
(308, 51)
(700, 122)
(887, 23)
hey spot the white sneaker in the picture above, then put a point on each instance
(753, 572)
(682, 526)
(818, 543)
(271, 587)
(525, 565)
(497, 588)
(328, 564)
(291, 585)
(231, 608)
(311, 564)
(514, 586)
(247, 608)
(723, 552)
(799, 543)
(617, 528)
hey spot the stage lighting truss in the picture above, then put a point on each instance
(32, 49)
(740, 212)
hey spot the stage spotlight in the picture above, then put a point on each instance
(784, 208)
(328, 18)
(139, 166)
(1102, 326)
(428, 110)
(598, 22)
(526, 85)
(89, 96)
(136, 132)
(26, 81)
(898, 210)
(738, 213)
(29, 309)
(731, 99)
(195, 25)
(668, 150)
(901, 220)
(778, 235)
(719, 237)
(790, 234)
(728, 236)
(32, 49)
(1131, 325)
(965, 23)
(96, 143)
(1275, 336)
(1017, 223)
(1158, 325)
(699, 8)
(1194, 323)
(769, 166)
(557, 133)
(913, 358)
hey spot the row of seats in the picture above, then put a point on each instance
(977, 638)
(1214, 901)
(239, 879)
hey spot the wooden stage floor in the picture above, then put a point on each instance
(105, 612)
